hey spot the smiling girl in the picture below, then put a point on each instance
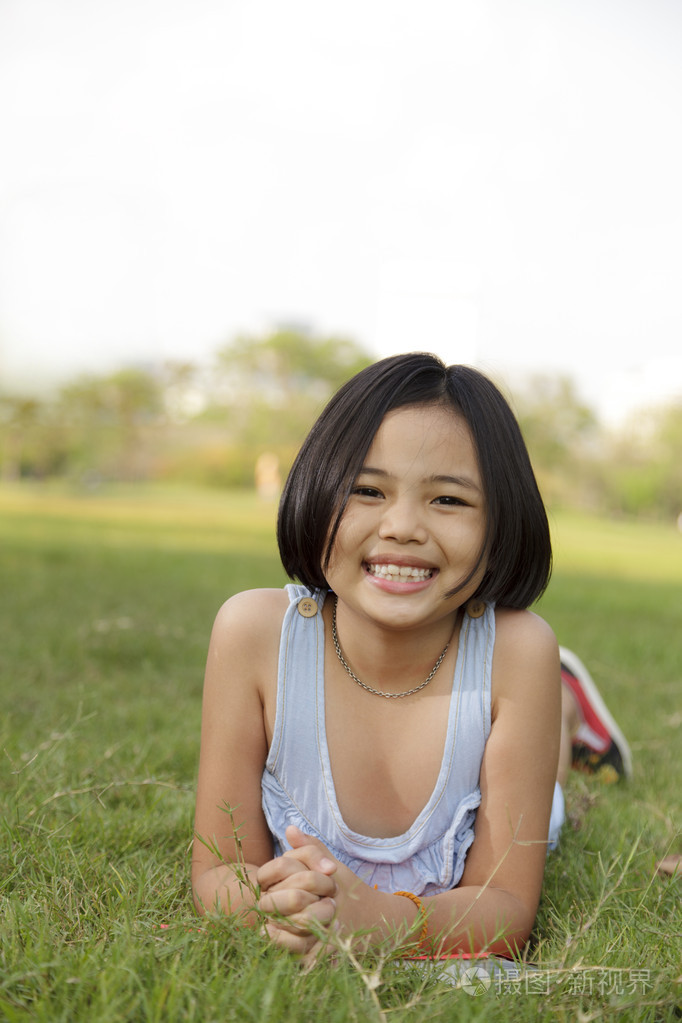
(389, 735)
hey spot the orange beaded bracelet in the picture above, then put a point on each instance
(420, 906)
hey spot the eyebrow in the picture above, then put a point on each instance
(457, 481)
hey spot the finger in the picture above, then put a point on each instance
(293, 903)
(310, 850)
(277, 870)
(320, 885)
(285, 902)
(324, 949)
(320, 950)
(297, 944)
(314, 919)
(296, 864)
(291, 872)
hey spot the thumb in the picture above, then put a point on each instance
(297, 839)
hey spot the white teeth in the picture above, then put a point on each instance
(399, 572)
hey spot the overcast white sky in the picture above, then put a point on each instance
(494, 180)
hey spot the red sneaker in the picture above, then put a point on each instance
(599, 746)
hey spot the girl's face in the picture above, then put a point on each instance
(414, 525)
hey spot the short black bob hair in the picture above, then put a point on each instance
(517, 545)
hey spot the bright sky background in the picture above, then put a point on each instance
(498, 181)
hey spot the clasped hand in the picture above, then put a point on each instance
(297, 892)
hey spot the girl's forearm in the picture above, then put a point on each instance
(477, 919)
(462, 920)
(226, 889)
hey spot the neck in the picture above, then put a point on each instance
(391, 660)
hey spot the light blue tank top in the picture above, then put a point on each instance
(297, 782)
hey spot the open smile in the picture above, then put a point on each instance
(398, 573)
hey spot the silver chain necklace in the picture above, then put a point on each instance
(378, 692)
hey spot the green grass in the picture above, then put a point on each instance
(106, 606)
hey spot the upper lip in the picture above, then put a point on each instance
(401, 560)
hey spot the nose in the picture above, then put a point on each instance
(402, 522)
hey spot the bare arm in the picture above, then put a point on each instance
(505, 865)
(229, 824)
(232, 840)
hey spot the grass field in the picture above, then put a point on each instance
(106, 606)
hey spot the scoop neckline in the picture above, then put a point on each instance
(447, 758)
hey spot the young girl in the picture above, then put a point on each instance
(381, 744)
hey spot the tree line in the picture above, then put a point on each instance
(210, 425)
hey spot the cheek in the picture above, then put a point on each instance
(347, 541)
(465, 537)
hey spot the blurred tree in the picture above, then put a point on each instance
(183, 396)
(554, 420)
(668, 436)
(19, 418)
(562, 434)
(287, 361)
(274, 386)
(105, 418)
(644, 474)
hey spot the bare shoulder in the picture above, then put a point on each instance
(517, 628)
(244, 647)
(526, 652)
(252, 616)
